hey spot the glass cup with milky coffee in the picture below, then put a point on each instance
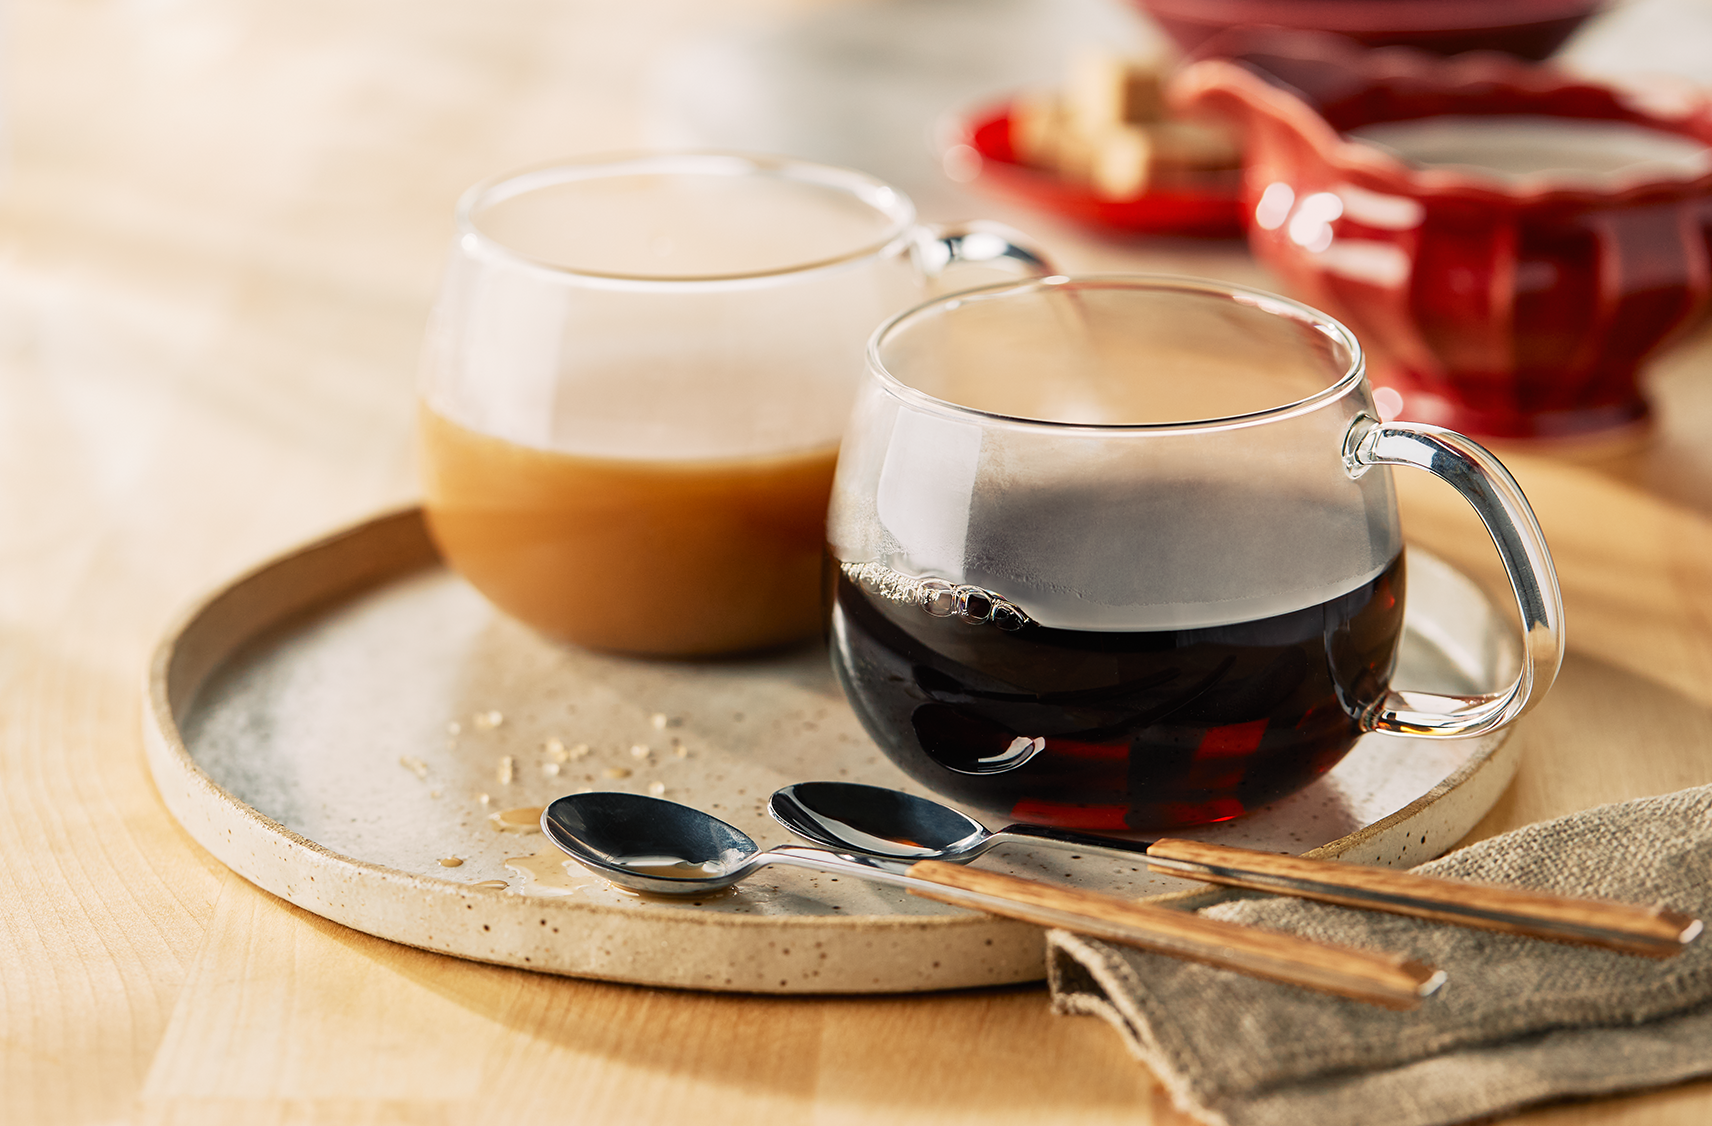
(1124, 553)
(636, 378)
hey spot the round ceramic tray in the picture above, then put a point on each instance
(354, 729)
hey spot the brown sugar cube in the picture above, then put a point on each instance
(1130, 159)
(1074, 158)
(1037, 125)
(1103, 90)
(1192, 145)
(1121, 165)
(1144, 95)
(1042, 138)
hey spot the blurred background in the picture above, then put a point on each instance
(222, 223)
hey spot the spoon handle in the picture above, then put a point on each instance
(1654, 931)
(1364, 975)
(1070, 838)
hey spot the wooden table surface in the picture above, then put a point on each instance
(221, 226)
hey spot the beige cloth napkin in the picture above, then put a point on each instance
(1520, 1021)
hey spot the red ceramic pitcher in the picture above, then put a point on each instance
(1504, 307)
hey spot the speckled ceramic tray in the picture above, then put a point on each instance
(354, 729)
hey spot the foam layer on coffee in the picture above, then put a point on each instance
(1515, 147)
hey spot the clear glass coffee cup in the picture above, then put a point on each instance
(635, 381)
(1124, 552)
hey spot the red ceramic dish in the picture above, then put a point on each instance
(1531, 29)
(981, 150)
(1510, 309)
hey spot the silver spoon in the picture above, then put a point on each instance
(879, 822)
(652, 845)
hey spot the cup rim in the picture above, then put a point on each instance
(876, 193)
(1353, 376)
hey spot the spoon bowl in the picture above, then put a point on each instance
(649, 844)
(877, 821)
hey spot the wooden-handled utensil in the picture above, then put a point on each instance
(1635, 929)
(652, 845)
(1373, 976)
(877, 821)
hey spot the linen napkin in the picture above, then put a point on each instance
(1520, 1021)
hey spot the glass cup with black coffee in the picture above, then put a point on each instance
(1124, 552)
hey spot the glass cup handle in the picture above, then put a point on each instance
(1487, 485)
(977, 242)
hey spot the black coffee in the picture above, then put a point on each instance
(1112, 730)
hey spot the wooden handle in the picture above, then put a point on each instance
(1365, 975)
(1654, 931)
